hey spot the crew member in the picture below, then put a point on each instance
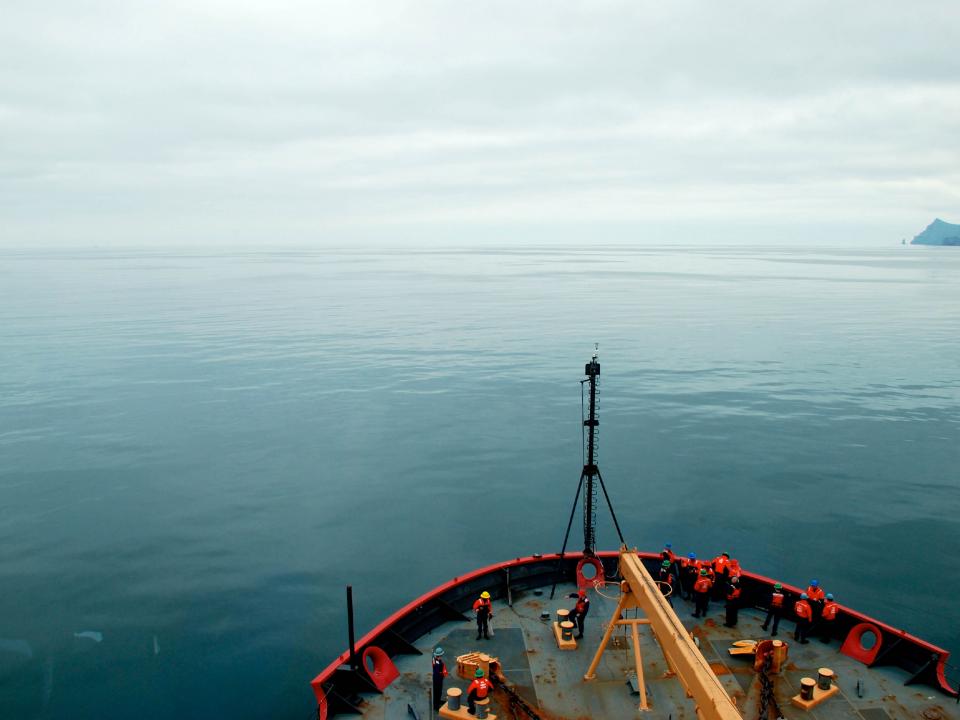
(733, 567)
(827, 617)
(720, 576)
(484, 611)
(816, 598)
(691, 571)
(580, 610)
(439, 673)
(775, 608)
(733, 601)
(667, 553)
(667, 580)
(477, 690)
(804, 615)
(708, 566)
(701, 593)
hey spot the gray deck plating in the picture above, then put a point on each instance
(552, 681)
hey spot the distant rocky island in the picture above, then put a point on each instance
(939, 233)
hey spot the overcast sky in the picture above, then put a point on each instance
(231, 122)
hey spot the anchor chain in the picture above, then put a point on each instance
(768, 702)
(517, 704)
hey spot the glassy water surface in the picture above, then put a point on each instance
(199, 450)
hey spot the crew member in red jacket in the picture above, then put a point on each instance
(775, 608)
(477, 690)
(733, 601)
(804, 615)
(827, 618)
(580, 610)
(484, 610)
(701, 593)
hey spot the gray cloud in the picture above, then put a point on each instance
(126, 123)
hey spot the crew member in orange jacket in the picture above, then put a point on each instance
(715, 592)
(733, 567)
(720, 574)
(708, 566)
(477, 690)
(804, 615)
(775, 608)
(827, 618)
(580, 610)
(701, 593)
(733, 601)
(817, 600)
(484, 610)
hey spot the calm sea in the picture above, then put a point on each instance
(199, 450)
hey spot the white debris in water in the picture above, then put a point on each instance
(89, 635)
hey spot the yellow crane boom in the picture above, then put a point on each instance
(640, 590)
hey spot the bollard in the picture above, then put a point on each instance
(453, 698)
(562, 616)
(779, 656)
(806, 688)
(824, 678)
(566, 630)
(482, 708)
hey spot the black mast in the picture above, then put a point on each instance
(590, 470)
(590, 473)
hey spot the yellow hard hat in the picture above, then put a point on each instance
(485, 595)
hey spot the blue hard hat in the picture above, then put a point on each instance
(803, 596)
(829, 596)
(668, 545)
(814, 582)
(438, 651)
(692, 555)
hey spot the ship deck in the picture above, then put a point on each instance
(551, 681)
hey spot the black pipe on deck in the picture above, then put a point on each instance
(353, 647)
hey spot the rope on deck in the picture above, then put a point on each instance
(597, 585)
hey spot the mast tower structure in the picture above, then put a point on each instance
(590, 474)
(590, 470)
